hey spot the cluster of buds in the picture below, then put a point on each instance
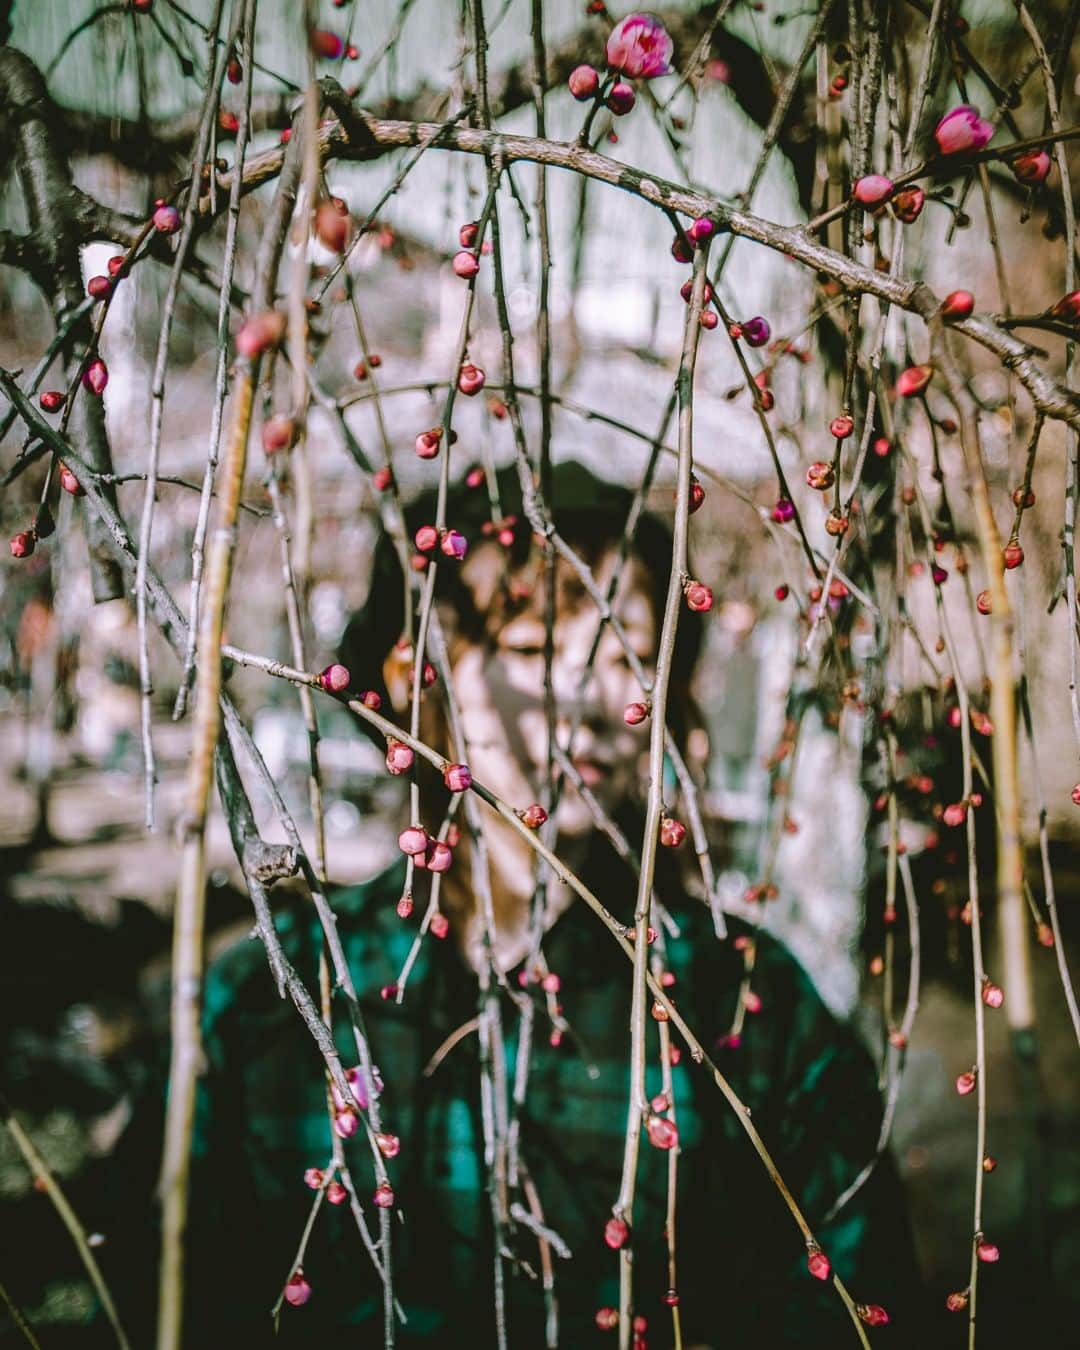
(503, 530)
(433, 854)
(638, 48)
(452, 543)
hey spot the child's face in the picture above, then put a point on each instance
(500, 689)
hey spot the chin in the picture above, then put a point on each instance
(574, 818)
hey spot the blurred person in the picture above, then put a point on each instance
(263, 1106)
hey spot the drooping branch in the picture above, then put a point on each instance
(28, 119)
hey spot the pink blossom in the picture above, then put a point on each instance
(639, 47)
(962, 130)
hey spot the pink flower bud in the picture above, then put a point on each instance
(898, 1040)
(475, 477)
(336, 1193)
(533, 816)
(466, 264)
(114, 264)
(672, 832)
(440, 926)
(1032, 166)
(551, 984)
(841, 427)
(346, 1123)
(606, 1319)
(468, 234)
(166, 219)
(335, 679)
(260, 332)
(697, 495)
(987, 1251)
(686, 290)
(384, 1196)
(752, 1001)
(756, 331)
(962, 131)
(957, 1302)
(709, 319)
(783, 511)
(635, 713)
(412, 840)
(96, 376)
(954, 814)
(399, 757)
(52, 400)
(457, 777)
(426, 537)
(21, 545)
(873, 1314)
(370, 699)
(313, 1177)
(616, 1233)
(278, 433)
(992, 994)
(621, 98)
(957, 305)
(701, 229)
(405, 906)
(428, 677)
(332, 224)
(820, 476)
(663, 1133)
(583, 83)
(1012, 555)
(680, 251)
(439, 856)
(639, 47)
(471, 379)
(872, 190)
(699, 597)
(382, 478)
(818, 1264)
(70, 483)
(454, 545)
(328, 46)
(965, 1082)
(914, 381)
(1067, 308)
(389, 1145)
(297, 1291)
(907, 205)
(98, 287)
(938, 575)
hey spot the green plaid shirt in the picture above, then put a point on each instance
(742, 1266)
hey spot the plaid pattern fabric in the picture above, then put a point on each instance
(742, 1275)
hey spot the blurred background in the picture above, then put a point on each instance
(86, 893)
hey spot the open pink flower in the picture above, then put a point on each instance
(639, 47)
(962, 130)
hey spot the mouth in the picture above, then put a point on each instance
(592, 771)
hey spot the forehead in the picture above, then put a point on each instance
(502, 596)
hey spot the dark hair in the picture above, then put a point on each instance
(589, 514)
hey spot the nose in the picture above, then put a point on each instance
(576, 690)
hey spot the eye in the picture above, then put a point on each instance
(524, 649)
